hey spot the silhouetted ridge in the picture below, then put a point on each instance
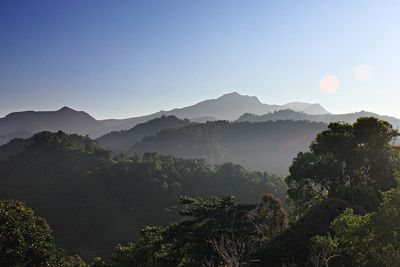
(326, 118)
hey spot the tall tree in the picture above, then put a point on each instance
(25, 239)
(356, 157)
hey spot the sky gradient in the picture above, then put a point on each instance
(117, 59)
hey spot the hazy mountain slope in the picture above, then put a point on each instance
(111, 125)
(93, 201)
(231, 106)
(307, 108)
(65, 119)
(261, 146)
(326, 118)
(19, 124)
(227, 107)
(123, 140)
(19, 134)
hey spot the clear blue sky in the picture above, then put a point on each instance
(127, 58)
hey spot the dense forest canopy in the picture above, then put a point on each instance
(342, 209)
(93, 200)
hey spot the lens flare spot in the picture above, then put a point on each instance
(329, 84)
(363, 72)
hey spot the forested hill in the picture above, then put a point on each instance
(260, 146)
(326, 118)
(93, 201)
(123, 140)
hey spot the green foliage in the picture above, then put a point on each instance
(344, 189)
(74, 261)
(270, 217)
(216, 232)
(354, 237)
(293, 245)
(371, 239)
(189, 241)
(73, 182)
(343, 161)
(25, 239)
(322, 251)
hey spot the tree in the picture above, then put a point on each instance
(230, 250)
(270, 217)
(322, 251)
(217, 232)
(25, 239)
(371, 239)
(345, 157)
(74, 261)
(294, 244)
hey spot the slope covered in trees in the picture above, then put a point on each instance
(123, 140)
(94, 201)
(348, 180)
(343, 209)
(259, 146)
(289, 114)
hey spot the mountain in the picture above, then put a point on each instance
(231, 106)
(227, 107)
(258, 146)
(123, 140)
(93, 201)
(312, 109)
(24, 124)
(326, 118)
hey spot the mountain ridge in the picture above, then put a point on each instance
(229, 107)
(325, 118)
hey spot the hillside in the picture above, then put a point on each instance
(123, 140)
(19, 134)
(326, 118)
(93, 201)
(260, 146)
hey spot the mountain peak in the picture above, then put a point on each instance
(236, 95)
(66, 109)
(231, 94)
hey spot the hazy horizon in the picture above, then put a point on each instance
(187, 105)
(123, 59)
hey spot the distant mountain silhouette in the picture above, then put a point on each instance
(24, 124)
(312, 109)
(231, 106)
(227, 107)
(326, 118)
(65, 119)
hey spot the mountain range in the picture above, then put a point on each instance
(231, 107)
(227, 107)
